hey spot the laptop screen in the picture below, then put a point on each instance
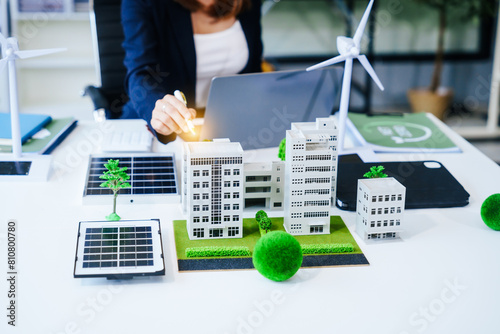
(257, 109)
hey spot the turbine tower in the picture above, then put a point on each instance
(349, 48)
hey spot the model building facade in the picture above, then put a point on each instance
(310, 176)
(380, 208)
(212, 195)
(264, 185)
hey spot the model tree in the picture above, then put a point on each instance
(264, 221)
(375, 172)
(116, 178)
(282, 149)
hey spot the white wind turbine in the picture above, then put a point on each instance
(349, 48)
(11, 52)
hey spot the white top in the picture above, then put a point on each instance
(220, 53)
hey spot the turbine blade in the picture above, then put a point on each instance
(366, 64)
(328, 62)
(362, 24)
(35, 53)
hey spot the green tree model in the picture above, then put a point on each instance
(263, 221)
(282, 149)
(116, 178)
(375, 172)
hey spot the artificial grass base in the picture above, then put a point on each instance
(339, 235)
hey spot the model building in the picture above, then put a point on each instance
(212, 175)
(310, 176)
(380, 207)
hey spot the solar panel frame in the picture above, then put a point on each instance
(119, 250)
(153, 179)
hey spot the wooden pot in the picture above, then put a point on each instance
(436, 103)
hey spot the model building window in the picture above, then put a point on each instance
(316, 229)
(236, 195)
(196, 219)
(236, 206)
(196, 208)
(385, 222)
(374, 198)
(278, 179)
(379, 211)
(196, 173)
(204, 196)
(196, 184)
(277, 204)
(236, 218)
(398, 222)
(386, 210)
(391, 222)
(204, 173)
(227, 172)
(215, 233)
(198, 232)
(393, 198)
(227, 218)
(227, 206)
(400, 197)
(227, 183)
(236, 183)
(236, 172)
(380, 198)
(372, 223)
(278, 190)
(379, 223)
(196, 197)
(374, 211)
(204, 219)
(205, 184)
(227, 195)
(398, 210)
(393, 209)
(205, 208)
(233, 231)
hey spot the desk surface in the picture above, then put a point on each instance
(441, 277)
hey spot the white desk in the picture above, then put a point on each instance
(442, 277)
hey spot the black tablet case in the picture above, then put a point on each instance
(425, 187)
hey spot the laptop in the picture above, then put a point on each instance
(257, 109)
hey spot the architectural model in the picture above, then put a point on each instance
(380, 207)
(212, 195)
(310, 176)
(264, 184)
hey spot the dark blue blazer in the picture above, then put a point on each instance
(160, 53)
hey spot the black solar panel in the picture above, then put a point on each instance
(150, 174)
(118, 250)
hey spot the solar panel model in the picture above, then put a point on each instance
(119, 250)
(153, 179)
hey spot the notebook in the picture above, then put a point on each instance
(257, 109)
(29, 124)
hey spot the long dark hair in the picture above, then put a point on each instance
(220, 8)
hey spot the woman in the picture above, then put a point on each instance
(182, 44)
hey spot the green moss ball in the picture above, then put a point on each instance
(277, 256)
(490, 212)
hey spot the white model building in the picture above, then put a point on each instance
(310, 176)
(264, 185)
(212, 174)
(380, 207)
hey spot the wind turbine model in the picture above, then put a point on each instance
(10, 52)
(349, 48)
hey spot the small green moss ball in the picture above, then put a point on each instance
(277, 256)
(490, 212)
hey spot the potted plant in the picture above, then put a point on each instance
(436, 99)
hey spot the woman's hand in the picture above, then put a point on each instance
(170, 114)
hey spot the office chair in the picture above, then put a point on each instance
(107, 36)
